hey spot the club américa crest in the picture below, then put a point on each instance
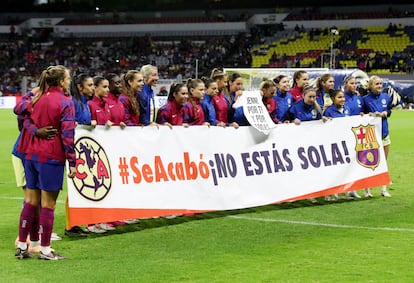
(367, 147)
(93, 178)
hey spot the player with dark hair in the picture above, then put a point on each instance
(211, 90)
(300, 80)
(176, 111)
(195, 94)
(132, 83)
(283, 98)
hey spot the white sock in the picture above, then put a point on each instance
(22, 245)
(45, 250)
(384, 188)
(34, 244)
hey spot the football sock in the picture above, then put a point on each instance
(34, 229)
(47, 217)
(26, 219)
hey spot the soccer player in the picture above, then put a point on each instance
(146, 96)
(306, 109)
(45, 159)
(195, 94)
(338, 107)
(22, 109)
(300, 80)
(268, 89)
(132, 83)
(379, 104)
(283, 98)
(82, 90)
(355, 103)
(221, 101)
(116, 107)
(324, 84)
(235, 89)
(99, 107)
(211, 90)
(176, 111)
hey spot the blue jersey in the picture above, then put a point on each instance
(320, 94)
(354, 102)
(239, 117)
(284, 102)
(333, 112)
(378, 103)
(209, 111)
(146, 105)
(304, 112)
(82, 112)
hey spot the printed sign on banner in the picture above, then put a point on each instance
(148, 171)
(255, 111)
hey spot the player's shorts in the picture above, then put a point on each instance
(44, 176)
(386, 141)
(18, 169)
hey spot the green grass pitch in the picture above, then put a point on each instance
(366, 240)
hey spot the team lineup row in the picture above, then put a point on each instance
(47, 117)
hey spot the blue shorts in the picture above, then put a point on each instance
(43, 176)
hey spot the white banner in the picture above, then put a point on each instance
(7, 102)
(146, 171)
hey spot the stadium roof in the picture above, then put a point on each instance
(162, 5)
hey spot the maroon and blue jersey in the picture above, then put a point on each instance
(131, 119)
(116, 108)
(22, 110)
(28, 129)
(54, 108)
(195, 113)
(173, 113)
(221, 105)
(271, 106)
(296, 93)
(99, 110)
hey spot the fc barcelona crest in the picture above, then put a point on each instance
(367, 147)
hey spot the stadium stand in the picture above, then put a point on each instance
(373, 48)
(370, 48)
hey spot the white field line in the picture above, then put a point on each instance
(21, 199)
(322, 224)
(290, 221)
